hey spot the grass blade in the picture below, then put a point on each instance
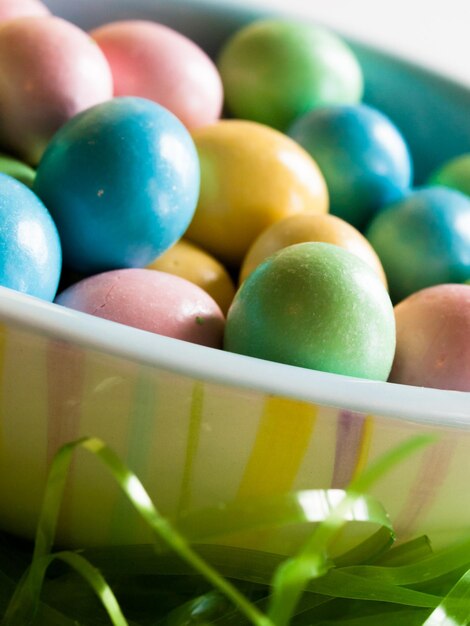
(454, 610)
(25, 602)
(426, 569)
(407, 553)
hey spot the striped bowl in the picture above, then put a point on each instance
(201, 427)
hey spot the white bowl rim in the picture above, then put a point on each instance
(434, 407)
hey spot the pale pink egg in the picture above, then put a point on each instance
(150, 300)
(11, 9)
(152, 61)
(433, 339)
(50, 70)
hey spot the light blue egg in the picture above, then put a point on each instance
(362, 155)
(122, 182)
(30, 250)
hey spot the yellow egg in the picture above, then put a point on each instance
(251, 177)
(188, 261)
(312, 227)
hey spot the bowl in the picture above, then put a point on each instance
(201, 427)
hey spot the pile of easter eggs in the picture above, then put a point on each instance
(286, 231)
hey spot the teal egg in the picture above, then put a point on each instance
(121, 181)
(423, 240)
(362, 155)
(317, 306)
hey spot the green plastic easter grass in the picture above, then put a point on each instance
(372, 583)
(312, 562)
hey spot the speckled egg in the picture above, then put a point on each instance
(433, 339)
(303, 227)
(317, 306)
(121, 181)
(150, 300)
(251, 177)
(198, 266)
(50, 70)
(13, 9)
(30, 251)
(153, 61)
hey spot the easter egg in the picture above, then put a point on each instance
(13, 9)
(423, 240)
(454, 174)
(362, 155)
(303, 227)
(19, 170)
(30, 251)
(196, 265)
(433, 339)
(121, 181)
(153, 61)
(50, 70)
(275, 70)
(251, 177)
(150, 300)
(317, 306)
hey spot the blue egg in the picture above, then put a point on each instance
(362, 155)
(423, 240)
(122, 182)
(30, 250)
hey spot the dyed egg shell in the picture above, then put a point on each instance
(362, 155)
(153, 301)
(12, 9)
(121, 181)
(50, 70)
(304, 227)
(317, 306)
(423, 240)
(153, 61)
(196, 265)
(273, 71)
(433, 339)
(454, 174)
(30, 251)
(251, 177)
(17, 169)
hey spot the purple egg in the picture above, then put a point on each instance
(150, 300)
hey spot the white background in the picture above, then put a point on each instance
(435, 33)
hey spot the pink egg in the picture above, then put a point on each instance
(150, 300)
(50, 70)
(11, 9)
(433, 339)
(155, 62)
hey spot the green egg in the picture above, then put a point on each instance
(317, 306)
(17, 169)
(274, 71)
